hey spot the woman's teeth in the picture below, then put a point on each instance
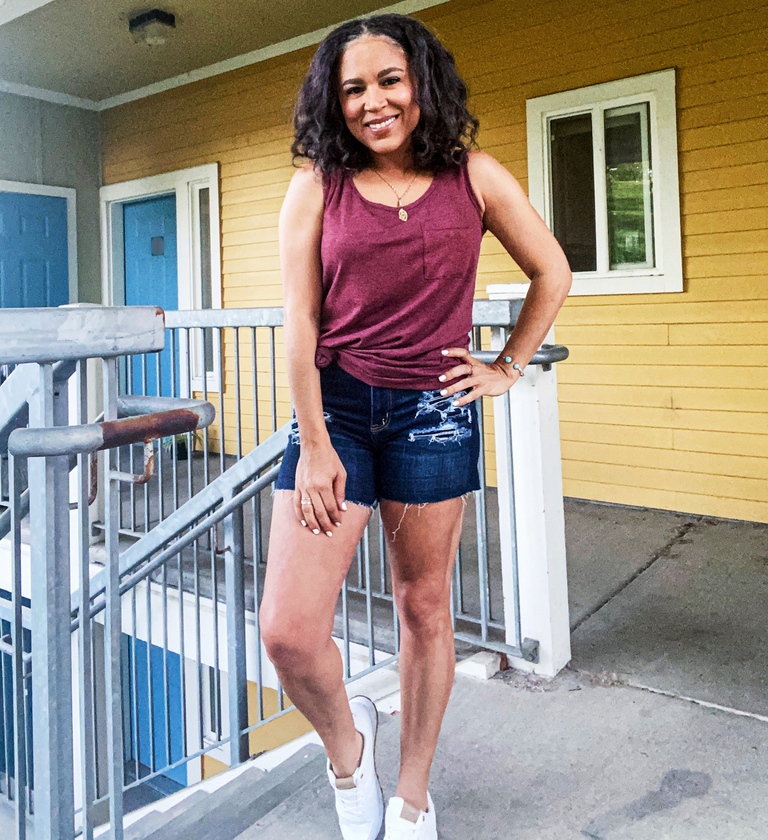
(381, 125)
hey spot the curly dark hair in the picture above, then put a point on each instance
(445, 130)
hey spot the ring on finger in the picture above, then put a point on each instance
(306, 502)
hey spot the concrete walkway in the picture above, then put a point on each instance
(657, 731)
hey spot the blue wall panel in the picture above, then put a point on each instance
(34, 267)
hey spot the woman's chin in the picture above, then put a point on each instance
(387, 145)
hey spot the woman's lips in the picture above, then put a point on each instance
(381, 125)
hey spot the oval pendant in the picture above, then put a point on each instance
(403, 215)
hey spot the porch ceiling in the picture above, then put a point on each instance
(82, 48)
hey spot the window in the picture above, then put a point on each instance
(202, 287)
(602, 172)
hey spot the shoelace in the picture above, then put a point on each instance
(351, 802)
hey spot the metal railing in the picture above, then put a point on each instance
(169, 669)
(239, 350)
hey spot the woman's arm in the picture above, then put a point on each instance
(320, 475)
(508, 214)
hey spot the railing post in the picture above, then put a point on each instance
(112, 615)
(87, 775)
(51, 639)
(234, 561)
(531, 521)
(20, 719)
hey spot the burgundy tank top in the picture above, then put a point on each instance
(397, 293)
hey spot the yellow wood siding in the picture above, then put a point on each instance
(274, 734)
(664, 400)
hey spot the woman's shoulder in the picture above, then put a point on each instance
(305, 191)
(313, 183)
(307, 178)
(481, 165)
(482, 168)
(489, 178)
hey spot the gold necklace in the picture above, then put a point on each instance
(401, 211)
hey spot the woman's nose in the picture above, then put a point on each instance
(374, 99)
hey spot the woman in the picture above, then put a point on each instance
(379, 241)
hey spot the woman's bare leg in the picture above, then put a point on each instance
(422, 542)
(304, 576)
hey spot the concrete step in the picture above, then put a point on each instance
(228, 811)
(154, 822)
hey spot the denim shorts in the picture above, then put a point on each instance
(407, 446)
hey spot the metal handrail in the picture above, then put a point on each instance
(170, 530)
(109, 434)
(80, 331)
(546, 356)
(486, 313)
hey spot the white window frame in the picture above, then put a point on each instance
(185, 184)
(71, 197)
(658, 90)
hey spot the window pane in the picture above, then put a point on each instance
(205, 247)
(628, 187)
(206, 296)
(573, 189)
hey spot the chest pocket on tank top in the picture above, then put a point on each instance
(448, 252)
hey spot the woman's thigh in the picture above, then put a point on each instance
(422, 541)
(305, 571)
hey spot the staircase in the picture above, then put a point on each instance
(229, 810)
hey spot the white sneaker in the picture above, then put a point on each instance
(360, 802)
(425, 827)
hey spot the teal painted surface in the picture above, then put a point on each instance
(151, 278)
(34, 257)
(164, 720)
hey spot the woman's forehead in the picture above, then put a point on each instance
(371, 53)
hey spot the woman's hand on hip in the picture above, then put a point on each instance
(476, 377)
(320, 487)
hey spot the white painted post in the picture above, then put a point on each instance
(536, 502)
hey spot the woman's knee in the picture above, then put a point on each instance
(287, 639)
(424, 608)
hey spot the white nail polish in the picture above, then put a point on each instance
(443, 392)
(329, 533)
(441, 378)
(343, 505)
(455, 403)
(444, 352)
(303, 523)
(337, 524)
(315, 530)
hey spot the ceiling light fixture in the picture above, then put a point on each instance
(152, 28)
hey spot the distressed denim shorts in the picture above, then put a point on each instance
(407, 446)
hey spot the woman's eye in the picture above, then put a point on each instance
(352, 91)
(392, 80)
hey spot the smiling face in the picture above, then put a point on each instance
(377, 95)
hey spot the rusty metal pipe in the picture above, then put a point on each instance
(92, 437)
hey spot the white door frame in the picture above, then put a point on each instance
(71, 196)
(184, 183)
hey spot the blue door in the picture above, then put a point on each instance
(33, 250)
(151, 278)
(156, 735)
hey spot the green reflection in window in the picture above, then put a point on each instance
(629, 187)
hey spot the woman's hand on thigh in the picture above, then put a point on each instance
(320, 489)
